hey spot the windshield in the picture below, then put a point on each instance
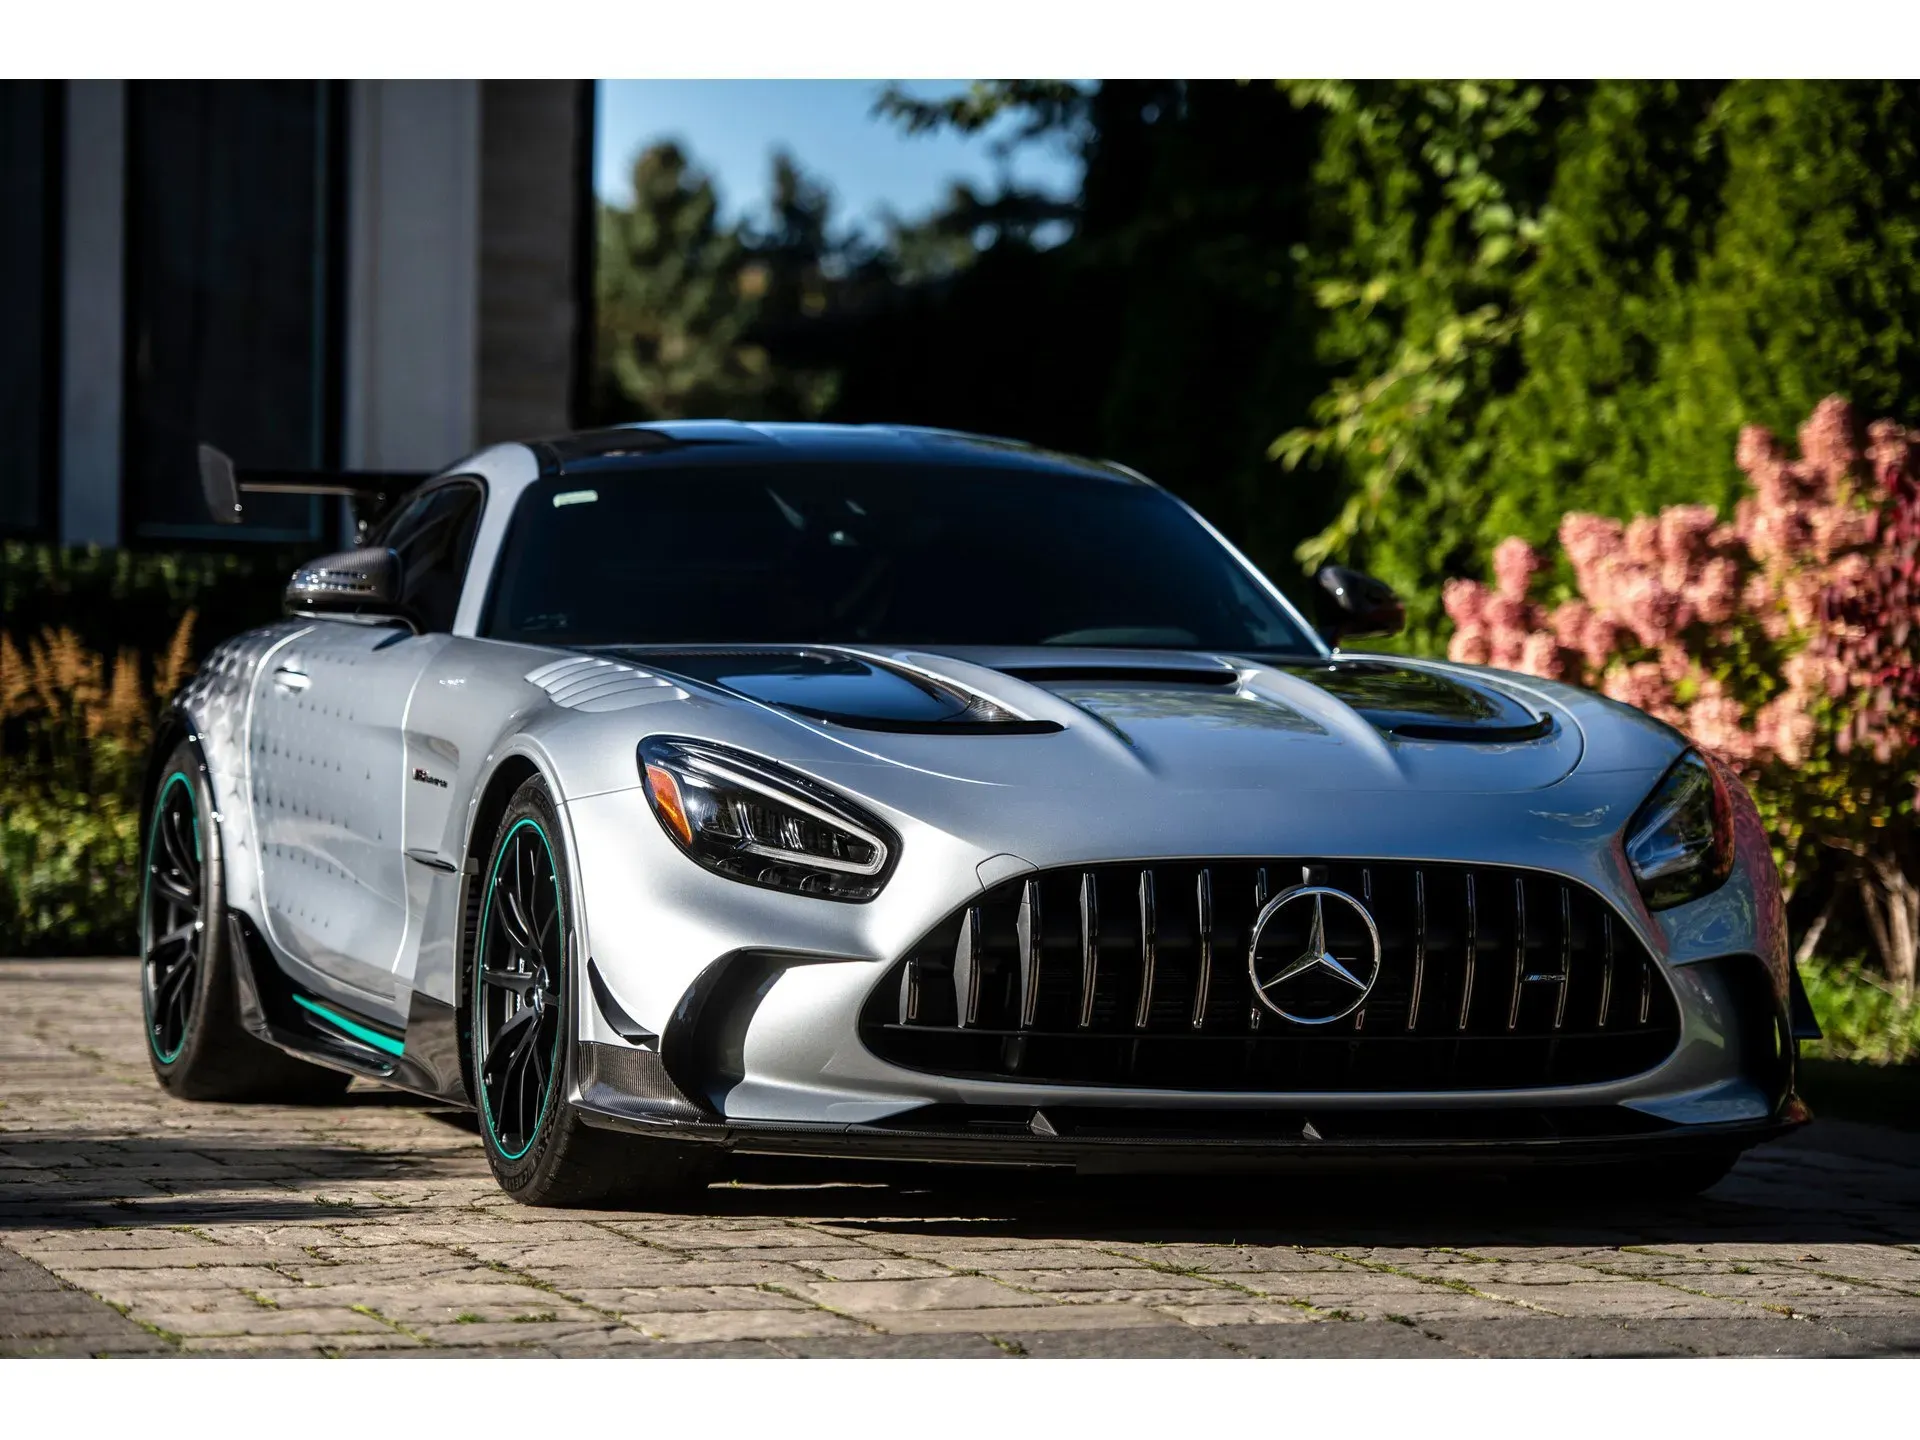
(871, 554)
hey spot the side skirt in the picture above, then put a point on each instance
(423, 1058)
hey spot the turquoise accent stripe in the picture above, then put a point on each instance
(359, 1032)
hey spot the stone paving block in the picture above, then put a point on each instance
(1238, 1311)
(1234, 1259)
(742, 1324)
(243, 1319)
(1370, 1339)
(1054, 1282)
(199, 1257)
(1049, 1257)
(661, 1298)
(871, 1267)
(1602, 1298)
(560, 1335)
(81, 1347)
(119, 1284)
(1021, 1319)
(878, 1297)
(340, 1344)
(893, 1347)
(1170, 1342)
(641, 1273)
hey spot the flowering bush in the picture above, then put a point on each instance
(1787, 640)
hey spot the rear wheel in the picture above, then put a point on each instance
(195, 1040)
(523, 1006)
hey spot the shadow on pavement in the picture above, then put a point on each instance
(1760, 1203)
(68, 1179)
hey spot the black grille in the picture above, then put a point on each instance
(1136, 974)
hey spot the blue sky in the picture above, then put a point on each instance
(732, 128)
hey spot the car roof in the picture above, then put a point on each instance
(775, 442)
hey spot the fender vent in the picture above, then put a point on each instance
(594, 685)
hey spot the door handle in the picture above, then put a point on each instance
(286, 677)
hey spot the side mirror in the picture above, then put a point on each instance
(1355, 604)
(353, 582)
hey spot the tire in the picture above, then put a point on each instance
(188, 1003)
(523, 987)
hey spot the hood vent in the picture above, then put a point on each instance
(1123, 674)
(1411, 702)
(841, 688)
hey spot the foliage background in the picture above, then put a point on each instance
(93, 643)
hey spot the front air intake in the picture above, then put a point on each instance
(1489, 978)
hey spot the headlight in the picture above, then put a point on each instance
(750, 820)
(1680, 844)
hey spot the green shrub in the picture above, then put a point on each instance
(69, 873)
(114, 599)
(95, 642)
(1863, 1020)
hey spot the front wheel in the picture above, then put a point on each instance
(522, 998)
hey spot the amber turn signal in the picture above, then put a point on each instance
(666, 798)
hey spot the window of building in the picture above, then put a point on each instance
(29, 304)
(232, 286)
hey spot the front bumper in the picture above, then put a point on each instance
(757, 998)
(630, 1091)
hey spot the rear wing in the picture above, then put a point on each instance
(372, 492)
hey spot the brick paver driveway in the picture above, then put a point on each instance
(132, 1224)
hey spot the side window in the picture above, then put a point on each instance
(433, 535)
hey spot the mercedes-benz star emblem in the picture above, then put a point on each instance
(1331, 976)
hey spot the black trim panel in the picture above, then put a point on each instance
(431, 1064)
(615, 1014)
(269, 1011)
(1800, 1017)
(1116, 1155)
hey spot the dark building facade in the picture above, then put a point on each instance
(372, 274)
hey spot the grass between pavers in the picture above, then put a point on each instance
(1872, 1094)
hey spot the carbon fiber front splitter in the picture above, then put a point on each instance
(1059, 1140)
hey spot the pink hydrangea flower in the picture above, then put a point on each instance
(1540, 655)
(1515, 563)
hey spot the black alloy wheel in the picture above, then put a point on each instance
(521, 1019)
(173, 927)
(523, 941)
(188, 958)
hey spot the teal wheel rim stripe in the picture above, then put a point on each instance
(353, 1027)
(180, 777)
(479, 987)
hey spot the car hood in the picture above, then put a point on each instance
(1057, 719)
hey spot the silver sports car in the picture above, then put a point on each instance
(674, 792)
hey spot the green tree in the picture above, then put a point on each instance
(1628, 224)
(684, 300)
(1713, 256)
(1813, 285)
(1551, 298)
(1427, 208)
(1167, 328)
